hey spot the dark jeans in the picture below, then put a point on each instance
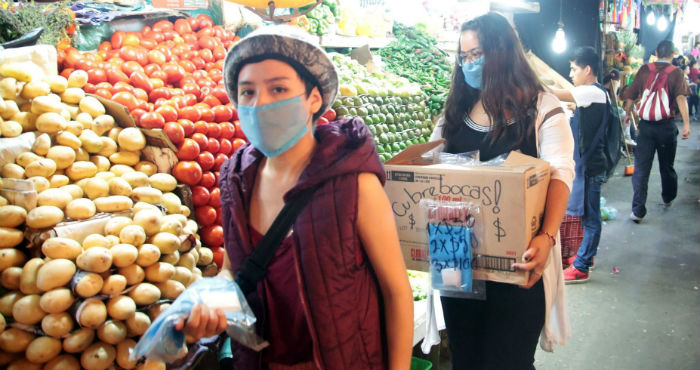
(693, 103)
(591, 222)
(654, 137)
(499, 333)
(633, 133)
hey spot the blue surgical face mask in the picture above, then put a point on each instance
(472, 72)
(274, 128)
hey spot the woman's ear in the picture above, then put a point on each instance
(315, 101)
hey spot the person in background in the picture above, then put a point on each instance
(693, 96)
(631, 133)
(694, 71)
(591, 164)
(657, 136)
(497, 104)
(678, 61)
(611, 82)
(693, 99)
(336, 294)
(686, 72)
(696, 51)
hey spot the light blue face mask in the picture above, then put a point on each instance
(472, 73)
(274, 128)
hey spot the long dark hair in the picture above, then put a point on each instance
(508, 84)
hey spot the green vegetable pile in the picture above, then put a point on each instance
(415, 55)
(393, 108)
(419, 284)
(356, 79)
(322, 16)
(24, 16)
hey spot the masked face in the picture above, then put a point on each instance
(274, 128)
(471, 58)
(272, 106)
(473, 73)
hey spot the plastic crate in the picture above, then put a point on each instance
(420, 364)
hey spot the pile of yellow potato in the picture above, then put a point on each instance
(84, 303)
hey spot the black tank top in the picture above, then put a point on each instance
(472, 136)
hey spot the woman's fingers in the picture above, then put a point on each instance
(528, 266)
(212, 323)
(180, 324)
(193, 321)
(533, 264)
(222, 320)
(203, 322)
(535, 272)
(530, 254)
(530, 261)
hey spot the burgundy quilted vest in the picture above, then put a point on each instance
(339, 289)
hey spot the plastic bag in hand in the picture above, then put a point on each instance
(165, 343)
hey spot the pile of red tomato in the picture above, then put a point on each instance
(169, 76)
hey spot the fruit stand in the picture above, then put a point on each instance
(95, 239)
(109, 159)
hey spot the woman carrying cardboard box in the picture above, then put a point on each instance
(497, 104)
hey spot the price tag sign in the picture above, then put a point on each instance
(450, 256)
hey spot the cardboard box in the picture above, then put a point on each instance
(154, 137)
(511, 199)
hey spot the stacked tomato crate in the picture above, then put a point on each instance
(169, 76)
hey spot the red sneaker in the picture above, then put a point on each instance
(570, 262)
(574, 276)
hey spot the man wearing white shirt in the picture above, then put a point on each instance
(589, 154)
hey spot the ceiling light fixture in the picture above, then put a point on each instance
(559, 42)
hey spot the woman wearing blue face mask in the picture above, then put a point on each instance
(497, 104)
(336, 294)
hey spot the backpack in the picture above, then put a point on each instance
(610, 132)
(655, 105)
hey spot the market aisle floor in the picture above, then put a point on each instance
(646, 316)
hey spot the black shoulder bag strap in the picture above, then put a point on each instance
(601, 129)
(254, 267)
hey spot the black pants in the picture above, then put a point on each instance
(500, 333)
(693, 102)
(654, 137)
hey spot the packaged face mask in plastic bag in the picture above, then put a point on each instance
(462, 159)
(468, 159)
(453, 244)
(163, 342)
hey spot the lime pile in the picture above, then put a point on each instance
(394, 109)
(395, 122)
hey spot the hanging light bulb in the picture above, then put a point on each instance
(651, 18)
(662, 24)
(559, 42)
